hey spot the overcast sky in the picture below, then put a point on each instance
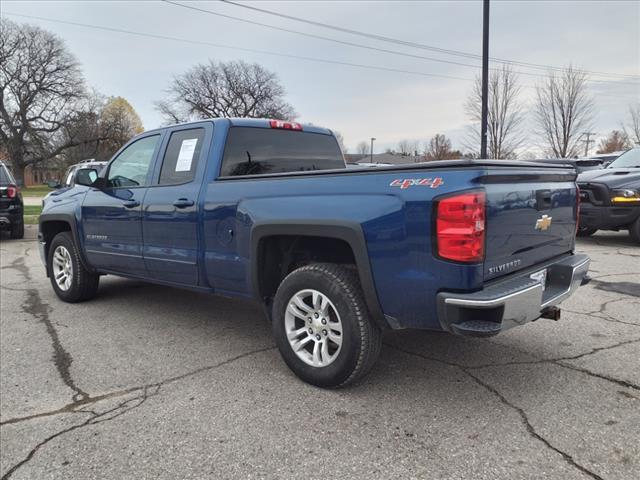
(602, 36)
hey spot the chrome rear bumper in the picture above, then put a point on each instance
(513, 301)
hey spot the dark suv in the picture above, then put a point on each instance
(11, 207)
(610, 198)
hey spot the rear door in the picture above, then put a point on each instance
(170, 212)
(531, 217)
(112, 217)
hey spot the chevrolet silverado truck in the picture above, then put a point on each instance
(267, 210)
(610, 197)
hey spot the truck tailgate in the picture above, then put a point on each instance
(531, 217)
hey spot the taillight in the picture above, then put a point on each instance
(285, 125)
(12, 191)
(460, 227)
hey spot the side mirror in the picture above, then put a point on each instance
(86, 176)
(53, 184)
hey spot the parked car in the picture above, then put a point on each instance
(580, 164)
(606, 158)
(11, 205)
(610, 198)
(71, 177)
(267, 209)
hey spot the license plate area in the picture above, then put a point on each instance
(541, 277)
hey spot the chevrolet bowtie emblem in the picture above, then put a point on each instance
(544, 222)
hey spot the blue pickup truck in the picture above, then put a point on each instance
(267, 210)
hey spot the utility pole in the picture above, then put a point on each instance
(485, 78)
(371, 152)
(587, 142)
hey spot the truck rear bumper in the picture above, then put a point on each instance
(513, 301)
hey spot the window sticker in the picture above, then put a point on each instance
(185, 157)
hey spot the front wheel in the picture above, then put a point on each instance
(71, 281)
(322, 325)
(17, 230)
(634, 231)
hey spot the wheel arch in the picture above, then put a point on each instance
(53, 224)
(332, 234)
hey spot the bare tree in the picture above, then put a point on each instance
(614, 142)
(633, 129)
(505, 114)
(105, 126)
(408, 147)
(225, 89)
(439, 148)
(564, 111)
(362, 148)
(42, 94)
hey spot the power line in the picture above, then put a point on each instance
(262, 52)
(368, 47)
(231, 47)
(423, 46)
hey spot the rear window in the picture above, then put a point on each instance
(253, 151)
(5, 176)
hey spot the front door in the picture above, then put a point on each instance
(170, 210)
(112, 217)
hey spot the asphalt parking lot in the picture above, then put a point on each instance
(154, 382)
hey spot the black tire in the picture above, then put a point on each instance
(586, 231)
(361, 338)
(17, 230)
(634, 231)
(83, 284)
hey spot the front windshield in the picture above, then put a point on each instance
(629, 159)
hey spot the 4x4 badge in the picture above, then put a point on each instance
(543, 222)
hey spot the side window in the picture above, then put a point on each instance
(131, 167)
(181, 158)
(255, 151)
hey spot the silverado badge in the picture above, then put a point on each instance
(543, 222)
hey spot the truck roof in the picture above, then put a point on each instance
(249, 122)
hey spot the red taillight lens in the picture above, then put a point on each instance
(285, 125)
(12, 191)
(460, 228)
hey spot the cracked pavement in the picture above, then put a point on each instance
(154, 382)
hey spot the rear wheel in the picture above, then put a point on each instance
(634, 231)
(322, 327)
(71, 281)
(17, 230)
(586, 231)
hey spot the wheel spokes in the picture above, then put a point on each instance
(313, 328)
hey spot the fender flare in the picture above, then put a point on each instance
(350, 232)
(71, 221)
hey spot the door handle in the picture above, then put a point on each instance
(131, 204)
(183, 203)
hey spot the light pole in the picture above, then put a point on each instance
(485, 78)
(371, 151)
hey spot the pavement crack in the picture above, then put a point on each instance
(617, 381)
(596, 350)
(77, 405)
(531, 430)
(62, 359)
(606, 317)
(94, 419)
(523, 415)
